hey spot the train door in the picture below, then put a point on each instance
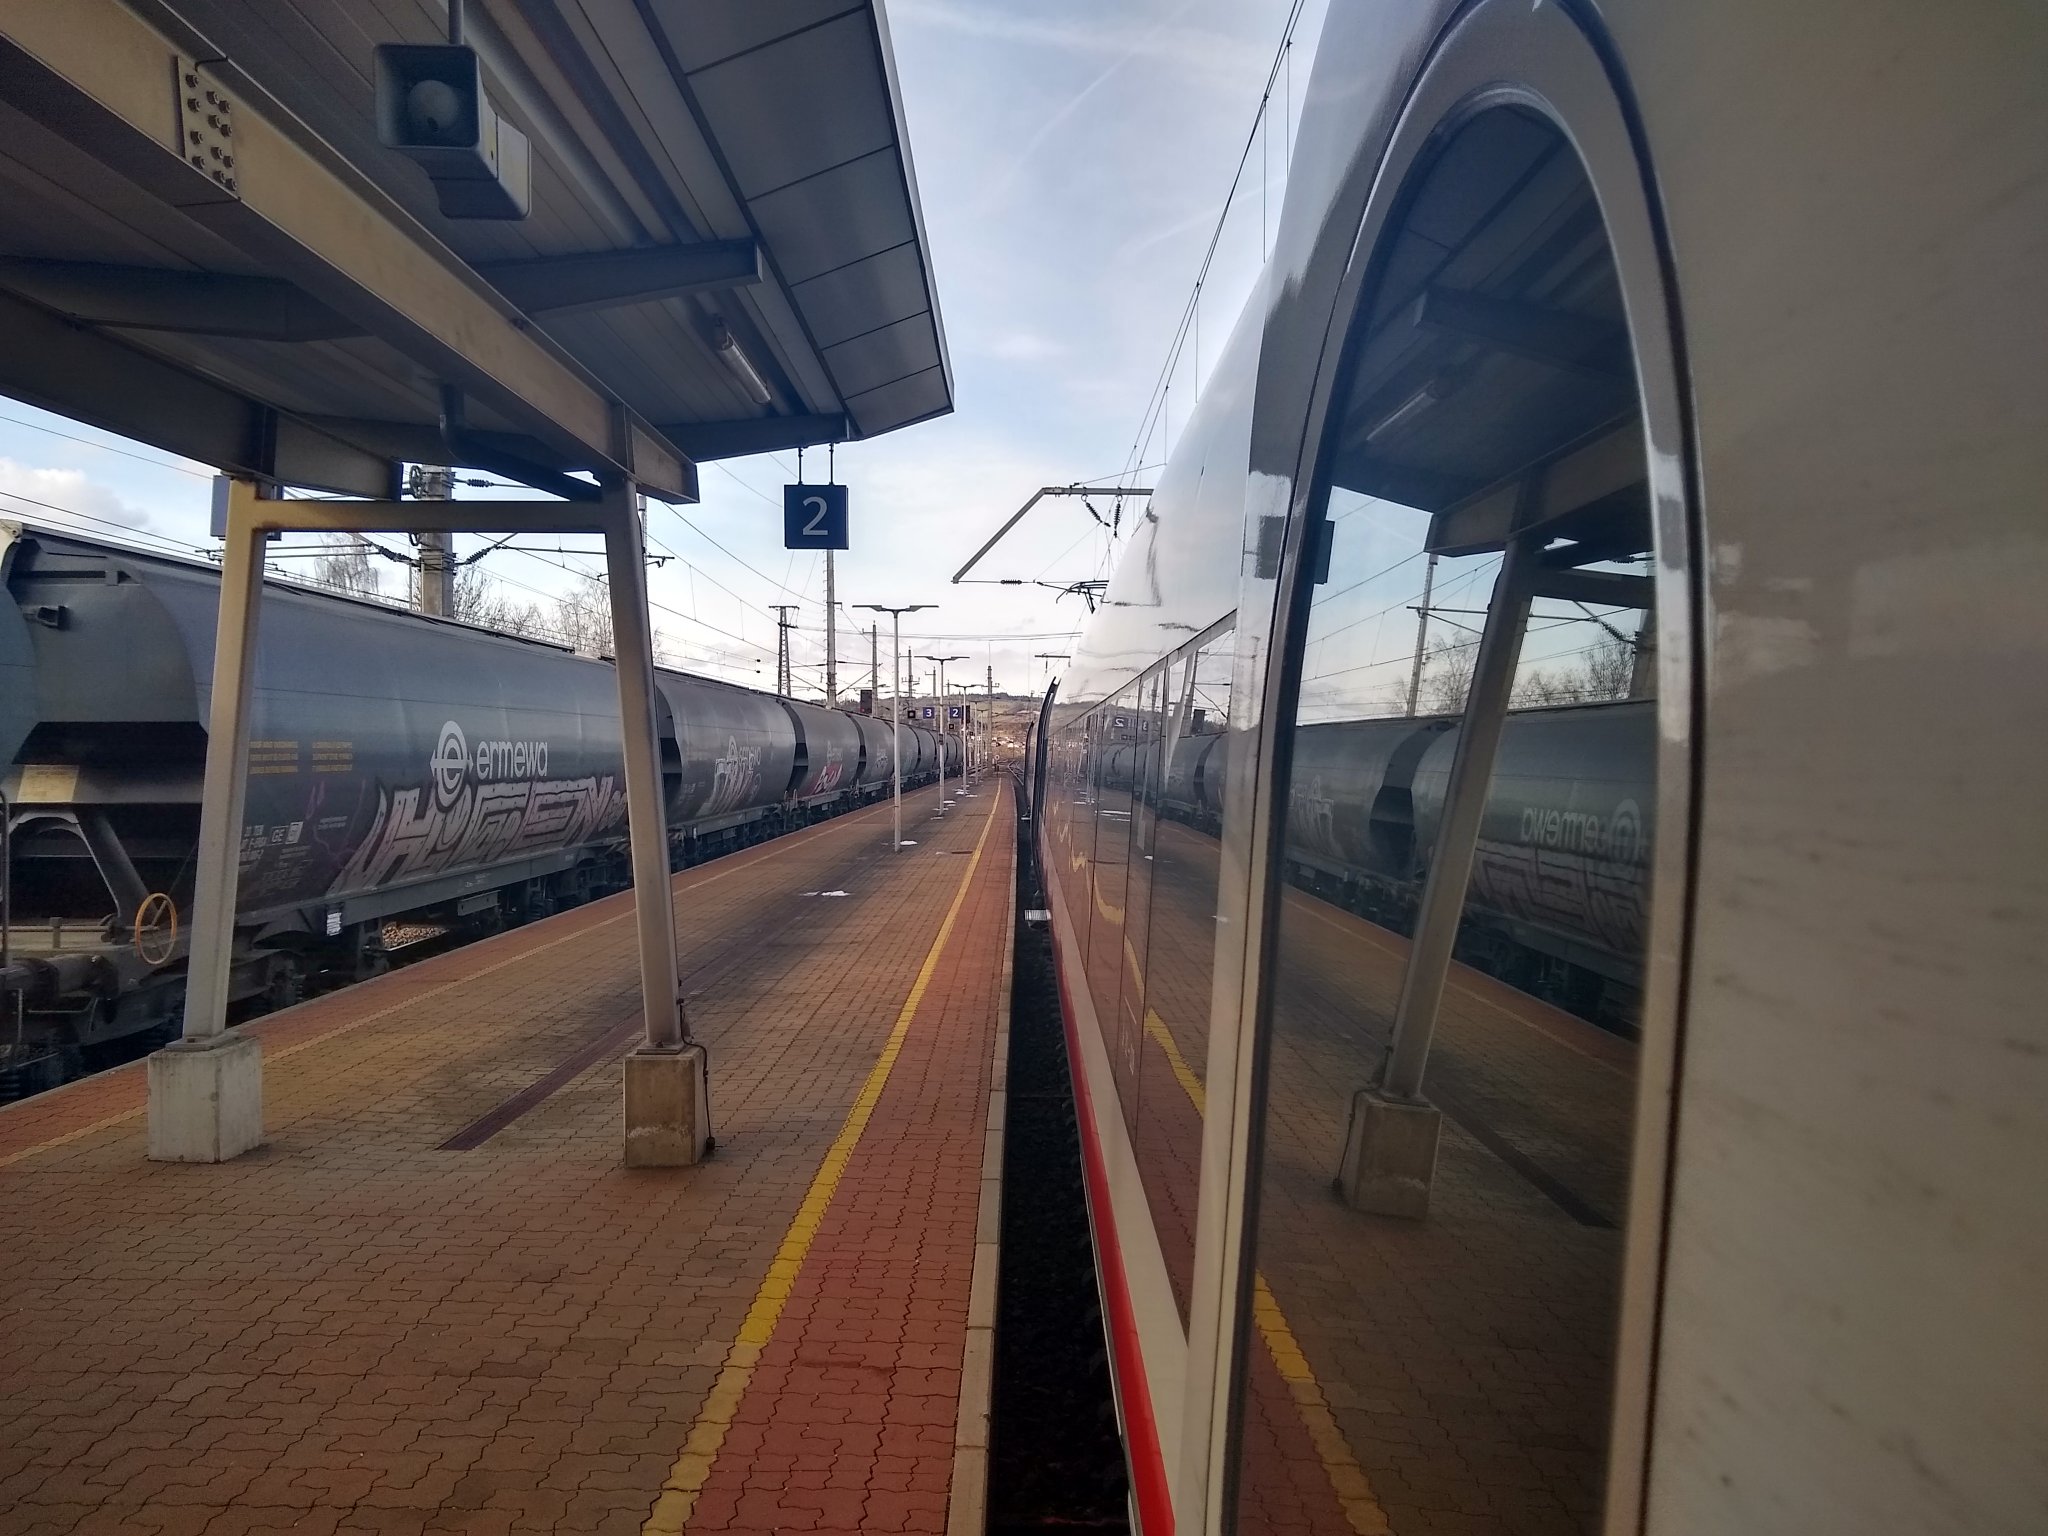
(1440, 1168)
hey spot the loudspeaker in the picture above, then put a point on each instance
(431, 107)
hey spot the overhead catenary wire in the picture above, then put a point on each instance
(126, 453)
(1156, 403)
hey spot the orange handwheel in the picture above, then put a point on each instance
(156, 928)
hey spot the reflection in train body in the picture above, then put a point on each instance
(1536, 1073)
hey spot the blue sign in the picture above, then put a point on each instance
(814, 517)
(929, 712)
(952, 711)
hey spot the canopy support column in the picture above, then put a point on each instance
(1390, 1147)
(668, 1102)
(205, 1092)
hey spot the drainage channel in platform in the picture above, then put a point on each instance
(1055, 1458)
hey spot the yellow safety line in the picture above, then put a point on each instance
(83, 1131)
(1347, 1478)
(692, 1468)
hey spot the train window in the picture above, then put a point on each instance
(1437, 1244)
(1107, 941)
(1180, 858)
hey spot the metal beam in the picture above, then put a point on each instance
(271, 309)
(429, 516)
(1411, 487)
(1615, 588)
(1554, 337)
(113, 86)
(161, 299)
(546, 285)
(119, 388)
(1107, 492)
(1542, 493)
(707, 440)
(420, 442)
(1457, 838)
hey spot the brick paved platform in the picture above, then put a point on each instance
(359, 1329)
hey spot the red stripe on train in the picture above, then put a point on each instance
(1148, 1465)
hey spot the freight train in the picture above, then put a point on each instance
(1558, 889)
(408, 776)
(1683, 323)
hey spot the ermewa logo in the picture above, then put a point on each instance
(1619, 838)
(454, 760)
(450, 763)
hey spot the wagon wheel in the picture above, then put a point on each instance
(156, 928)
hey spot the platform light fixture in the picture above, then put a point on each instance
(739, 364)
(896, 690)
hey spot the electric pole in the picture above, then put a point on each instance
(1421, 633)
(831, 637)
(783, 625)
(940, 688)
(896, 703)
(874, 666)
(435, 578)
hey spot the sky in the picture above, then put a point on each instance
(1073, 160)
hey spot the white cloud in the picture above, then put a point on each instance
(35, 493)
(1187, 50)
(1022, 347)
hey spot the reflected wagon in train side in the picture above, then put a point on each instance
(1581, 1068)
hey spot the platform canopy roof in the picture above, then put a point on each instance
(286, 299)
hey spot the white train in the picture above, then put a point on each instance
(1727, 324)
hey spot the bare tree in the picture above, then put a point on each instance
(483, 601)
(1605, 671)
(347, 567)
(1609, 667)
(1536, 689)
(1447, 674)
(583, 616)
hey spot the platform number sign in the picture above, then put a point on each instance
(814, 517)
(952, 711)
(929, 712)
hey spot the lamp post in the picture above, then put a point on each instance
(896, 705)
(968, 765)
(942, 660)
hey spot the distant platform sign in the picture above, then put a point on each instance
(929, 712)
(814, 517)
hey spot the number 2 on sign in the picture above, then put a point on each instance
(816, 528)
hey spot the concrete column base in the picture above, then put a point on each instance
(1389, 1156)
(668, 1107)
(206, 1099)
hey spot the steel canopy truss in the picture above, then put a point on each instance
(130, 98)
(210, 248)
